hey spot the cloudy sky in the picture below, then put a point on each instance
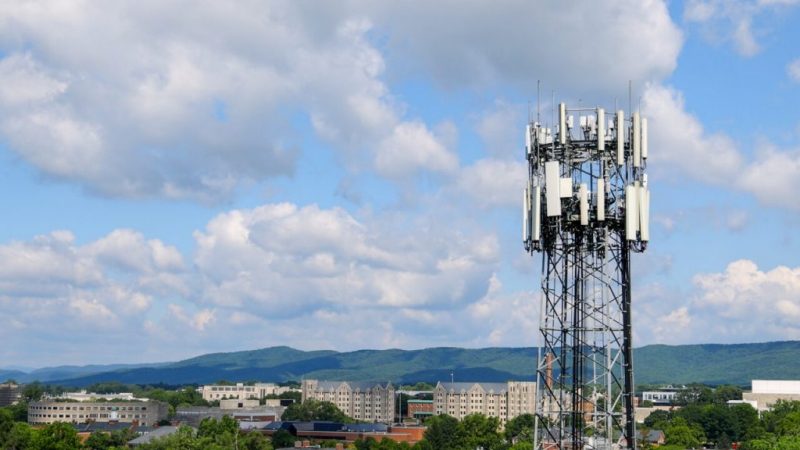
(185, 177)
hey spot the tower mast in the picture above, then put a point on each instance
(586, 208)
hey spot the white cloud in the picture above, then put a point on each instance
(793, 70)
(746, 303)
(742, 303)
(411, 147)
(502, 41)
(774, 177)
(492, 182)
(64, 296)
(680, 142)
(681, 147)
(114, 99)
(732, 20)
(125, 102)
(314, 258)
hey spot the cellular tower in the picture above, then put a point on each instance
(585, 209)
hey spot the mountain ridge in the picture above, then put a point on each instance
(657, 363)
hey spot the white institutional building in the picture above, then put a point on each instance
(240, 391)
(363, 401)
(766, 393)
(502, 400)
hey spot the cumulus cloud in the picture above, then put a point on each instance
(412, 147)
(502, 41)
(158, 100)
(742, 303)
(63, 295)
(681, 147)
(680, 142)
(116, 100)
(761, 304)
(493, 182)
(314, 258)
(774, 177)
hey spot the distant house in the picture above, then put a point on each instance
(653, 436)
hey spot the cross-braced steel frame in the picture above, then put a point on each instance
(585, 368)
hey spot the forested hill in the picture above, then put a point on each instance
(708, 363)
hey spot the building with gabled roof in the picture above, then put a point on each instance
(361, 400)
(502, 400)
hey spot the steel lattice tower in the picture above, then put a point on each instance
(586, 207)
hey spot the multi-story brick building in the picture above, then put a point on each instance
(364, 401)
(419, 408)
(502, 400)
(147, 413)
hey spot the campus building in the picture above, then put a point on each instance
(502, 400)
(363, 401)
(766, 393)
(241, 391)
(147, 413)
(10, 393)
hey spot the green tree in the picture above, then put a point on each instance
(444, 433)
(33, 392)
(98, 441)
(694, 394)
(657, 419)
(680, 432)
(520, 428)
(282, 438)
(480, 431)
(253, 440)
(18, 437)
(727, 392)
(315, 410)
(423, 445)
(56, 436)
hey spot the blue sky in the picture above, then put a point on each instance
(178, 180)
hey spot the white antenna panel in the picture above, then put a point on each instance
(601, 200)
(528, 139)
(525, 215)
(601, 133)
(571, 121)
(562, 123)
(631, 212)
(637, 141)
(583, 198)
(584, 122)
(644, 213)
(620, 138)
(537, 213)
(644, 138)
(552, 183)
(565, 187)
